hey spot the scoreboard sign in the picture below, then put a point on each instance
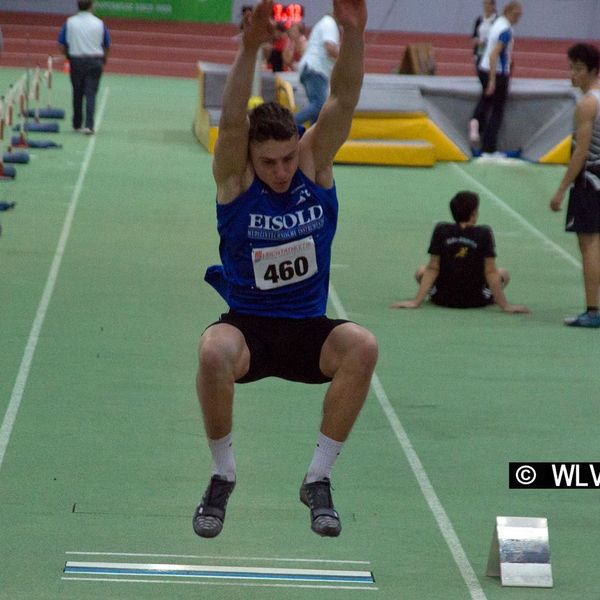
(288, 13)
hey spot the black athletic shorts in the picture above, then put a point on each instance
(462, 300)
(583, 212)
(286, 348)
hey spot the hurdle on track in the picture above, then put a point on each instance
(45, 78)
(29, 93)
(22, 93)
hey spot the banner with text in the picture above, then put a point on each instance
(210, 11)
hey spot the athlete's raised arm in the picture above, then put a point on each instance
(230, 164)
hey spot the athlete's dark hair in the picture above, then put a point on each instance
(510, 6)
(587, 54)
(463, 205)
(85, 4)
(271, 121)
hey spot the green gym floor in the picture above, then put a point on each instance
(102, 452)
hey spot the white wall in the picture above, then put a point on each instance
(578, 19)
(541, 18)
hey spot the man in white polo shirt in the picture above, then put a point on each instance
(316, 65)
(85, 41)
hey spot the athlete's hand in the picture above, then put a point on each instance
(515, 308)
(556, 201)
(350, 14)
(259, 26)
(405, 304)
(490, 89)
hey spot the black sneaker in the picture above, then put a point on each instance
(324, 519)
(210, 514)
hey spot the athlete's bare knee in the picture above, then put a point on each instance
(351, 349)
(362, 349)
(214, 360)
(367, 350)
(221, 354)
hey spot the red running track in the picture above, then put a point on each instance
(166, 48)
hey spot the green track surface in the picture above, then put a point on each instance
(107, 452)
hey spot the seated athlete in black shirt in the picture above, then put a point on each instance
(462, 271)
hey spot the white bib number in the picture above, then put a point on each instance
(277, 266)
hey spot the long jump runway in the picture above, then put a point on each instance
(103, 455)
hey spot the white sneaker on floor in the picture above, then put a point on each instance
(493, 155)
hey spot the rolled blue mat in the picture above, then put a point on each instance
(47, 127)
(16, 140)
(46, 113)
(16, 157)
(9, 172)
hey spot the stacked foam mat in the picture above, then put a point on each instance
(414, 120)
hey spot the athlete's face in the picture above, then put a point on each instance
(514, 14)
(489, 7)
(580, 76)
(275, 162)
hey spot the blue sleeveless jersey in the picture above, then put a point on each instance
(276, 249)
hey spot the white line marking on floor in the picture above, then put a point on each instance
(223, 583)
(440, 515)
(522, 220)
(221, 557)
(19, 388)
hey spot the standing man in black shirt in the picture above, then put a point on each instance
(462, 271)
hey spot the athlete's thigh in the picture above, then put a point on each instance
(346, 339)
(589, 244)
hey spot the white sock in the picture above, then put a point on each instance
(325, 455)
(222, 455)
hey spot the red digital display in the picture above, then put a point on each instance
(288, 13)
